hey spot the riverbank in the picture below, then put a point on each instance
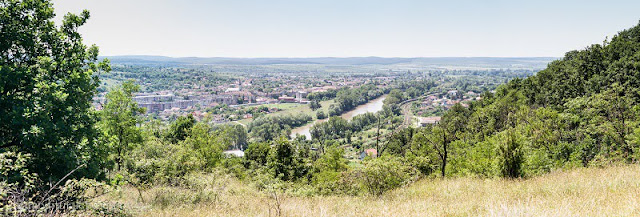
(373, 106)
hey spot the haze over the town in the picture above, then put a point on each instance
(405, 28)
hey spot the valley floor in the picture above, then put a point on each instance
(612, 191)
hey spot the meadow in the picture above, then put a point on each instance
(611, 191)
(293, 109)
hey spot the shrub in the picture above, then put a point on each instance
(385, 173)
(22, 193)
(421, 163)
(285, 161)
(256, 155)
(108, 209)
(158, 162)
(511, 154)
(320, 115)
(327, 182)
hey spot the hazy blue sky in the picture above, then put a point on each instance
(394, 28)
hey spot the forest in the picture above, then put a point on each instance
(60, 156)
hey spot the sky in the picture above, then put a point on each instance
(349, 28)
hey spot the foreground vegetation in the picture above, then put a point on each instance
(611, 191)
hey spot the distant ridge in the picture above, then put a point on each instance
(145, 60)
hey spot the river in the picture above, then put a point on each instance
(374, 105)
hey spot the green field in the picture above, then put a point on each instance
(292, 109)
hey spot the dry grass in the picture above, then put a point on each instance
(613, 191)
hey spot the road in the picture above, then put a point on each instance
(405, 110)
(238, 122)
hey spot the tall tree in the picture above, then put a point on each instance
(47, 82)
(436, 142)
(314, 105)
(180, 129)
(120, 120)
(208, 145)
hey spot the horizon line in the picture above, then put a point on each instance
(294, 57)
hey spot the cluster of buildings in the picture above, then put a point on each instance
(157, 106)
(444, 101)
(167, 101)
(246, 91)
(424, 121)
(300, 97)
(447, 100)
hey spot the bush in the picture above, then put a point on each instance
(22, 193)
(511, 154)
(109, 210)
(234, 166)
(256, 155)
(160, 162)
(477, 160)
(285, 162)
(385, 173)
(157, 162)
(320, 115)
(421, 163)
(327, 182)
(327, 170)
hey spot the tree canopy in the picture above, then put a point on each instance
(47, 80)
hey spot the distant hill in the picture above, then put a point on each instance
(539, 62)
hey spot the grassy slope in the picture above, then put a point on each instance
(613, 191)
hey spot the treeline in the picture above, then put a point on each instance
(414, 89)
(348, 99)
(504, 73)
(237, 113)
(306, 172)
(337, 127)
(321, 96)
(158, 78)
(580, 111)
(267, 128)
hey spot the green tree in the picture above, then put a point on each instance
(394, 97)
(47, 82)
(119, 120)
(282, 159)
(511, 151)
(327, 170)
(332, 160)
(437, 140)
(238, 136)
(434, 142)
(208, 146)
(609, 117)
(399, 142)
(257, 154)
(180, 129)
(385, 173)
(285, 162)
(320, 115)
(314, 105)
